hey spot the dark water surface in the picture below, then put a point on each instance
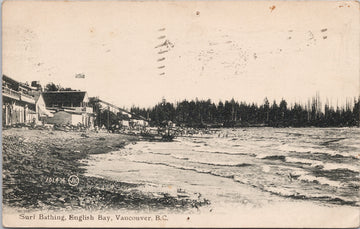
(309, 164)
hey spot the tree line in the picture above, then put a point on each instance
(205, 113)
(230, 113)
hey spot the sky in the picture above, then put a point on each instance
(136, 53)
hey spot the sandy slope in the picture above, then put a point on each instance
(37, 165)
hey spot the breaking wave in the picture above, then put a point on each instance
(276, 190)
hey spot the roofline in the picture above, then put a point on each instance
(121, 109)
(53, 92)
(9, 78)
(5, 77)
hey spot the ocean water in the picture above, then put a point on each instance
(245, 167)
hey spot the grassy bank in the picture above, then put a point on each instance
(38, 163)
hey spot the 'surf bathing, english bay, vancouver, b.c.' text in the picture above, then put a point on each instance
(180, 114)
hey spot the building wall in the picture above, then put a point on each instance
(13, 113)
(138, 122)
(40, 105)
(125, 123)
(76, 119)
(16, 108)
(65, 118)
(32, 118)
(88, 120)
(60, 118)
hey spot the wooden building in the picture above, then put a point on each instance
(69, 108)
(18, 104)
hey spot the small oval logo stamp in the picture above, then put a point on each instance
(73, 180)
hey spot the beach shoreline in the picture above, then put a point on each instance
(38, 166)
(31, 157)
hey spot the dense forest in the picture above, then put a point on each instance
(205, 113)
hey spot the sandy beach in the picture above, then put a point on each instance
(249, 175)
(37, 165)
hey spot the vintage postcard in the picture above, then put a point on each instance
(180, 114)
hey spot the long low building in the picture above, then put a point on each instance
(21, 103)
(127, 119)
(69, 108)
(24, 104)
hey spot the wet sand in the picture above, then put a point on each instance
(32, 157)
(232, 203)
(37, 165)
